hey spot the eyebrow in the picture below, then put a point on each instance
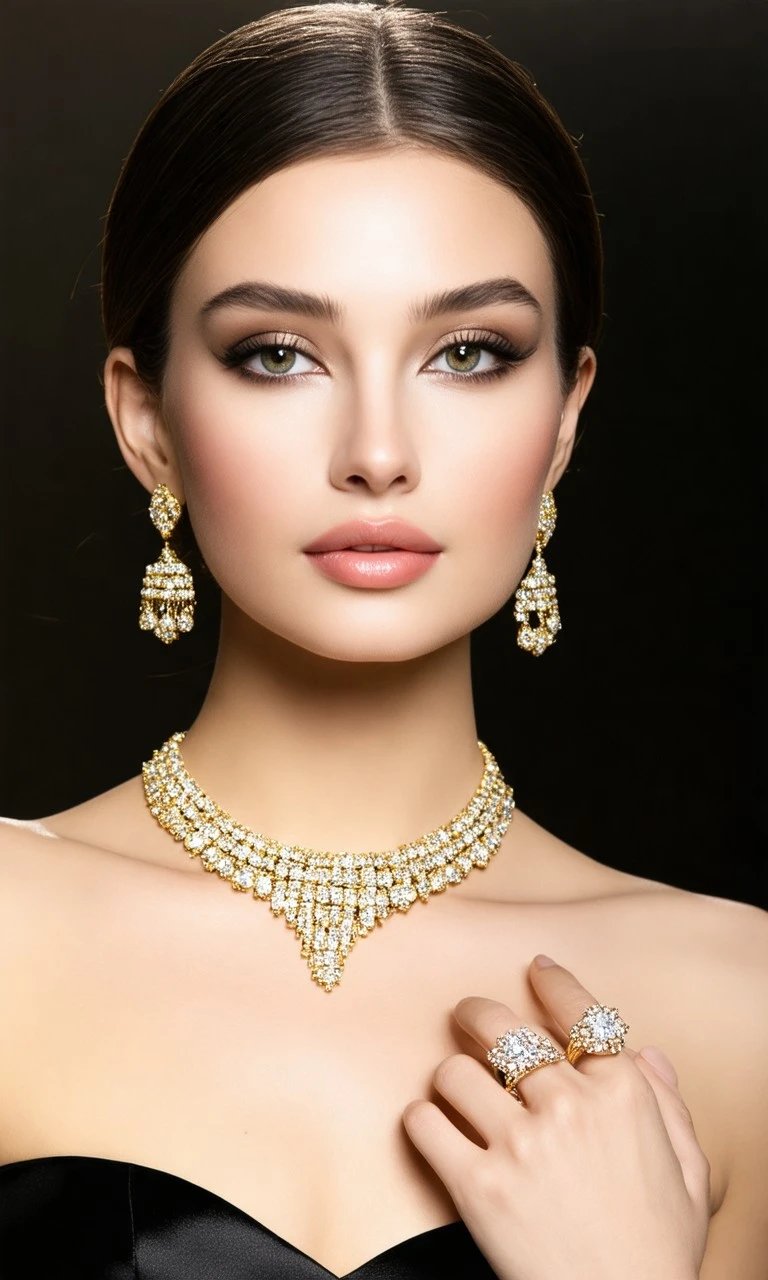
(264, 296)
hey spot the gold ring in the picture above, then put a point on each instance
(517, 1053)
(600, 1030)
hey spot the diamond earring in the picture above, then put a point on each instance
(536, 593)
(167, 592)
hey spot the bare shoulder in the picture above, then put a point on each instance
(46, 863)
(725, 927)
(115, 822)
(720, 945)
(710, 952)
(540, 867)
(29, 885)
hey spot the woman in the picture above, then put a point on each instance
(352, 293)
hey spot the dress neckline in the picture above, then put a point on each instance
(176, 1179)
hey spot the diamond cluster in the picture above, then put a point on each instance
(329, 899)
(599, 1030)
(515, 1053)
(536, 594)
(164, 510)
(167, 597)
(547, 520)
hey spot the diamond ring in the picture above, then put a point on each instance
(517, 1053)
(599, 1030)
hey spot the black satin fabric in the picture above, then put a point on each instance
(83, 1218)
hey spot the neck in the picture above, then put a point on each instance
(329, 754)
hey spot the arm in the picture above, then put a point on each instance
(737, 1243)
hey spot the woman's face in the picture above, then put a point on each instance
(378, 399)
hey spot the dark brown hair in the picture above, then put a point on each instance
(330, 79)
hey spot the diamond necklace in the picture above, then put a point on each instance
(329, 899)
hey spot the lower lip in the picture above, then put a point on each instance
(373, 568)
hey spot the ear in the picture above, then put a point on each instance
(569, 421)
(142, 433)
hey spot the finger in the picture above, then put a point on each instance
(679, 1124)
(566, 999)
(474, 1093)
(485, 1020)
(446, 1150)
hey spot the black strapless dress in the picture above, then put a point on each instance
(88, 1218)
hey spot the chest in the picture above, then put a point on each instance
(184, 1033)
(202, 1017)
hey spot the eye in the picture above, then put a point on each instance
(475, 356)
(466, 357)
(278, 360)
(268, 361)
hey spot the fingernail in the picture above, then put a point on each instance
(660, 1062)
(542, 961)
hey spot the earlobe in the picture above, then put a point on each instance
(141, 432)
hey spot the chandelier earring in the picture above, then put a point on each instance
(167, 592)
(536, 593)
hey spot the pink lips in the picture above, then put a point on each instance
(408, 553)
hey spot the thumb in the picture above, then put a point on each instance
(662, 1078)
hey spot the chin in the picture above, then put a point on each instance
(402, 644)
(345, 634)
(361, 629)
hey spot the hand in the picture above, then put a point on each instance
(597, 1174)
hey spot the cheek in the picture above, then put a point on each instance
(506, 494)
(242, 478)
(497, 501)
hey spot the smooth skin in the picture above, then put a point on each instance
(152, 1015)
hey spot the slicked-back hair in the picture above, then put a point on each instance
(336, 79)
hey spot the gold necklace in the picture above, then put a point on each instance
(329, 899)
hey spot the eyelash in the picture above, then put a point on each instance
(510, 356)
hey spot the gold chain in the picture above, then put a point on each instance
(329, 899)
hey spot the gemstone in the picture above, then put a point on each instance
(516, 1052)
(599, 1030)
(164, 510)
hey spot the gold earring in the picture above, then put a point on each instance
(536, 593)
(167, 592)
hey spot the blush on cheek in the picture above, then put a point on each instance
(498, 506)
(246, 501)
(508, 493)
(219, 452)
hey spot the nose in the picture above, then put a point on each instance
(375, 448)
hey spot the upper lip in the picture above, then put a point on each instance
(364, 533)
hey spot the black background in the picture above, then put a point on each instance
(638, 737)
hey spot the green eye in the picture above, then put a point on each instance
(467, 360)
(277, 359)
